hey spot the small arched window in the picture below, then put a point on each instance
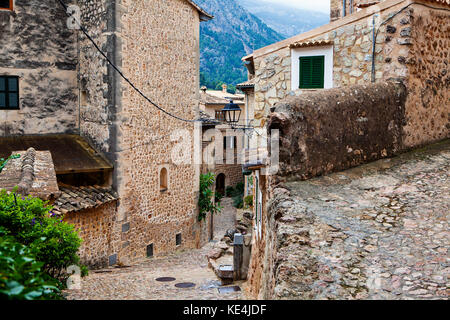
(163, 180)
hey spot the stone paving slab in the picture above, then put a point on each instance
(379, 231)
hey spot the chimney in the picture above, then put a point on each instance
(224, 88)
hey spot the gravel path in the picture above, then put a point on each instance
(139, 282)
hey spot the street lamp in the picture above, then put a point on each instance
(231, 113)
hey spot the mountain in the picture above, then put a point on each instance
(286, 20)
(224, 41)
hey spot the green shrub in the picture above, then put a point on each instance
(3, 162)
(50, 240)
(205, 202)
(248, 200)
(229, 191)
(21, 276)
(238, 202)
(218, 197)
(240, 188)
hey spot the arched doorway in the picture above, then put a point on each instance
(220, 184)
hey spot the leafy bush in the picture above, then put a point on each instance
(229, 191)
(49, 239)
(3, 161)
(218, 197)
(248, 200)
(240, 188)
(205, 202)
(238, 202)
(21, 276)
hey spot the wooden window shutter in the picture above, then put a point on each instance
(312, 72)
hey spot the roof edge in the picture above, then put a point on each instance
(204, 16)
(385, 5)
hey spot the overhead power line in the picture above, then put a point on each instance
(120, 72)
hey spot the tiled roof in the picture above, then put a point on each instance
(70, 153)
(210, 97)
(32, 172)
(207, 119)
(246, 84)
(75, 199)
(303, 44)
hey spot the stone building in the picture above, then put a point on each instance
(371, 84)
(228, 172)
(55, 82)
(411, 45)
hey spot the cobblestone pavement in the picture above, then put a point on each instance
(379, 231)
(138, 282)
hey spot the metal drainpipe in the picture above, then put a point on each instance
(373, 47)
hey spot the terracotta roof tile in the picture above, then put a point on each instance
(302, 44)
(74, 199)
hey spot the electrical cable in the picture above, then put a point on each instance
(120, 72)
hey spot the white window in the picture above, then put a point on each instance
(299, 54)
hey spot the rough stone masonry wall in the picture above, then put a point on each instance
(97, 79)
(160, 54)
(335, 129)
(37, 46)
(428, 103)
(352, 61)
(100, 234)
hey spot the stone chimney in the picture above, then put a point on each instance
(224, 88)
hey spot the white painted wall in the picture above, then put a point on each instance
(326, 51)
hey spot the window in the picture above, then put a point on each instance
(150, 250)
(163, 180)
(178, 239)
(312, 72)
(229, 142)
(9, 92)
(6, 4)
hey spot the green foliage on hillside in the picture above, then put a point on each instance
(225, 40)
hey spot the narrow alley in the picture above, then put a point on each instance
(139, 282)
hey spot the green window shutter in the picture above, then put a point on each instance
(312, 72)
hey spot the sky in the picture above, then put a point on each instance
(316, 5)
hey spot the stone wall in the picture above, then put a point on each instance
(233, 174)
(37, 46)
(410, 47)
(428, 104)
(335, 129)
(160, 55)
(100, 234)
(97, 79)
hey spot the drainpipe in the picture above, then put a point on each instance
(373, 47)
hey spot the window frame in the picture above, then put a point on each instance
(11, 6)
(322, 79)
(7, 92)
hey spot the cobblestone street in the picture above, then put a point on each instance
(379, 231)
(139, 282)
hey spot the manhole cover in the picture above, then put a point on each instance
(229, 289)
(166, 279)
(185, 285)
